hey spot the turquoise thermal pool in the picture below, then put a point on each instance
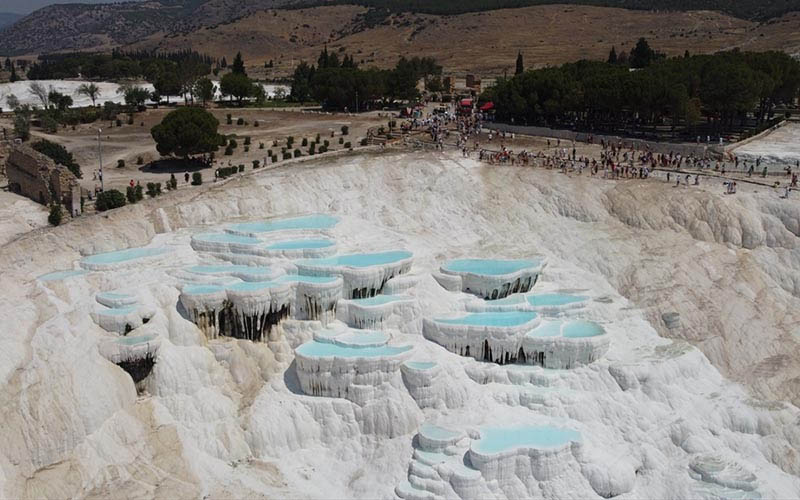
(567, 329)
(300, 278)
(498, 319)
(355, 338)
(489, 267)
(301, 244)
(307, 222)
(118, 311)
(201, 289)
(358, 259)
(498, 439)
(554, 299)
(315, 349)
(61, 275)
(420, 365)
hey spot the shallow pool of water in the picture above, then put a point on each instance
(201, 289)
(306, 222)
(291, 278)
(499, 439)
(300, 244)
(358, 259)
(61, 275)
(317, 349)
(554, 299)
(501, 319)
(489, 267)
(420, 365)
(580, 329)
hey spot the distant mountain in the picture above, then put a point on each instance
(8, 18)
(76, 26)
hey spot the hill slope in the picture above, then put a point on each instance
(102, 26)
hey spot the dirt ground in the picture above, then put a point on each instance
(129, 142)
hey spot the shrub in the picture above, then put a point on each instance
(120, 163)
(233, 144)
(240, 121)
(139, 192)
(247, 141)
(108, 200)
(173, 182)
(229, 119)
(304, 142)
(364, 141)
(275, 143)
(341, 140)
(312, 148)
(287, 156)
(255, 123)
(347, 145)
(228, 151)
(119, 122)
(58, 154)
(256, 164)
(197, 179)
(317, 139)
(224, 172)
(247, 149)
(274, 159)
(326, 143)
(56, 214)
(269, 152)
(130, 194)
(241, 168)
(323, 149)
(151, 189)
(345, 130)
(297, 153)
(260, 145)
(290, 140)
(140, 161)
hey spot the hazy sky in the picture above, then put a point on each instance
(28, 6)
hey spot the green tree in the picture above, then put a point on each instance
(237, 86)
(520, 66)
(167, 84)
(58, 154)
(14, 76)
(58, 100)
(238, 65)
(109, 199)
(612, 56)
(204, 89)
(186, 132)
(135, 96)
(90, 90)
(56, 214)
(22, 122)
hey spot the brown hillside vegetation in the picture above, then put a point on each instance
(485, 42)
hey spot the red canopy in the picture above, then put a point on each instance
(486, 107)
(466, 102)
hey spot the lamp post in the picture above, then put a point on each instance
(100, 155)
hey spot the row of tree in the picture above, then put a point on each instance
(340, 84)
(724, 87)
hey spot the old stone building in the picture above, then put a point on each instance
(39, 178)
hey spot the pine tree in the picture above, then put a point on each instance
(14, 77)
(238, 65)
(520, 66)
(612, 56)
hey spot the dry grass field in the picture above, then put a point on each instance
(483, 42)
